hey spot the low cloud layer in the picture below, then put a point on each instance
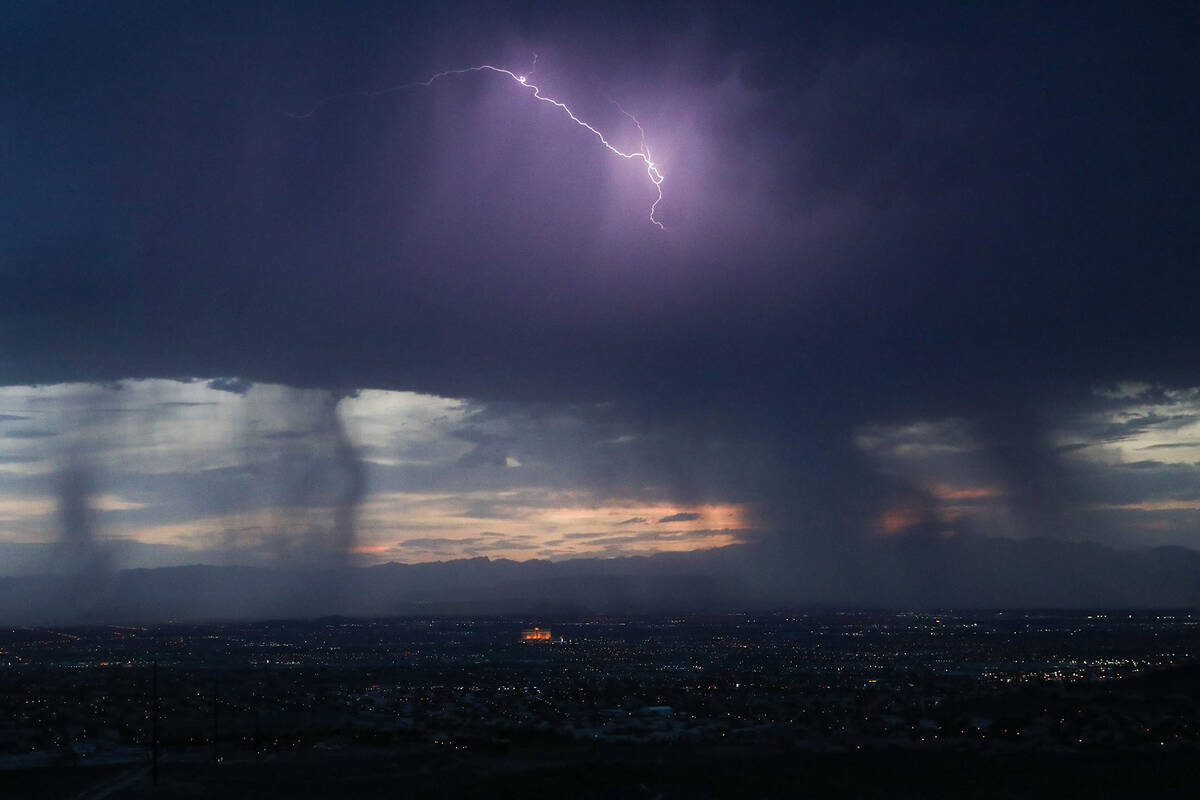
(273, 475)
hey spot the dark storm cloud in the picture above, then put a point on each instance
(234, 385)
(518, 542)
(682, 516)
(649, 537)
(486, 509)
(490, 450)
(966, 195)
(1145, 483)
(876, 214)
(1138, 425)
(439, 543)
(30, 433)
(288, 435)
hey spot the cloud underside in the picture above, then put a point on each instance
(274, 494)
(272, 474)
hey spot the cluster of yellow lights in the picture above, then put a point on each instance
(535, 635)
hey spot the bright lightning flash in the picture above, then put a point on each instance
(643, 155)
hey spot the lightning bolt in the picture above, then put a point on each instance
(642, 154)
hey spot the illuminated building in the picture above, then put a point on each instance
(535, 635)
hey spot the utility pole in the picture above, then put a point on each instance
(257, 733)
(154, 723)
(216, 725)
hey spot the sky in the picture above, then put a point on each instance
(924, 272)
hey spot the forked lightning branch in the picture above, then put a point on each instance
(643, 154)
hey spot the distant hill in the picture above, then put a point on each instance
(969, 572)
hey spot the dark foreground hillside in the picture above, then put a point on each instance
(858, 704)
(644, 772)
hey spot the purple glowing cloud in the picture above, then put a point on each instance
(652, 170)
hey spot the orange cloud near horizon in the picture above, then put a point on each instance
(421, 527)
(898, 519)
(948, 492)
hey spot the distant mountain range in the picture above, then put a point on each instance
(968, 572)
